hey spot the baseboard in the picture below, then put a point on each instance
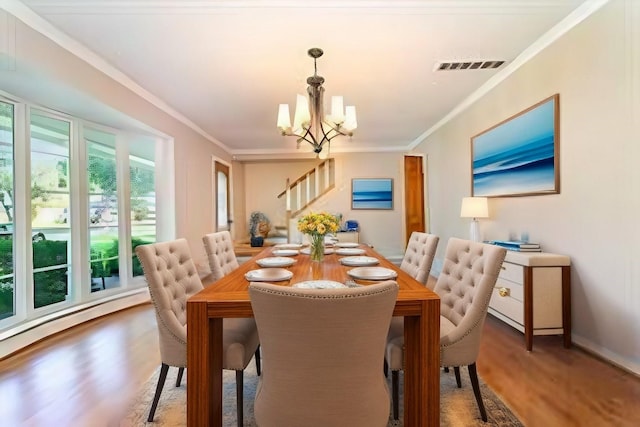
(606, 355)
(29, 334)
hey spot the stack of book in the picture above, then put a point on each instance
(515, 245)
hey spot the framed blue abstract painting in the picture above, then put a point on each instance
(519, 156)
(372, 193)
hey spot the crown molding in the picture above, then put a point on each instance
(574, 18)
(39, 24)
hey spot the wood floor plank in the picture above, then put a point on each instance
(88, 376)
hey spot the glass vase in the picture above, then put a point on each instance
(317, 248)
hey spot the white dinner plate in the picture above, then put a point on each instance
(307, 250)
(356, 261)
(285, 252)
(347, 244)
(350, 251)
(288, 246)
(319, 284)
(276, 261)
(268, 275)
(372, 273)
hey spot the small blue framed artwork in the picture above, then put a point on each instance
(372, 193)
(519, 156)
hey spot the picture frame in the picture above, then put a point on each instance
(519, 156)
(372, 193)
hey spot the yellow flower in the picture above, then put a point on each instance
(318, 224)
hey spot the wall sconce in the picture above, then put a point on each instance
(474, 207)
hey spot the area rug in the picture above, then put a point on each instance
(458, 407)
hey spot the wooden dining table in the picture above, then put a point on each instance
(229, 297)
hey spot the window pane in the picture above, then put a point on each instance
(7, 299)
(103, 210)
(143, 205)
(50, 224)
(223, 209)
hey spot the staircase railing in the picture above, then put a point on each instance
(308, 188)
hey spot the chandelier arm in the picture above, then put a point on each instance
(338, 132)
(307, 136)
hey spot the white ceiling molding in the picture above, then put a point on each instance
(200, 106)
(35, 21)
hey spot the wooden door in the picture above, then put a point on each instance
(221, 186)
(414, 195)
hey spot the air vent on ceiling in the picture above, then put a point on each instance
(467, 65)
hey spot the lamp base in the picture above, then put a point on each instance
(474, 231)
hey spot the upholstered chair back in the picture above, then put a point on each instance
(222, 258)
(418, 257)
(323, 352)
(465, 285)
(172, 278)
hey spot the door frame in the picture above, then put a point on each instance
(425, 193)
(214, 196)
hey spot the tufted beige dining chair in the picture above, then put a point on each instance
(172, 278)
(322, 349)
(222, 258)
(418, 257)
(417, 261)
(464, 286)
(222, 261)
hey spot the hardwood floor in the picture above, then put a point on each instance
(87, 376)
(554, 386)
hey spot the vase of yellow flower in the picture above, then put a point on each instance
(317, 225)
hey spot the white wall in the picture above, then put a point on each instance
(596, 70)
(384, 229)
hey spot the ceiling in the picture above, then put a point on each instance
(224, 66)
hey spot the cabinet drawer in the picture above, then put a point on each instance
(508, 306)
(512, 272)
(348, 237)
(516, 290)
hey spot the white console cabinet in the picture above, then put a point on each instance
(533, 294)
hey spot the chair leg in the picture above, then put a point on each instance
(456, 371)
(473, 374)
(394, 393)
(179, 379)
(239, 395)
(164, 368)
(258, 370)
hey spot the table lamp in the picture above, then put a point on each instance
(474, 207)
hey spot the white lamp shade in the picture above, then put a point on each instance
(302, 116)
(284, 119)
(337, 110)
(350, 121)
(474, 207)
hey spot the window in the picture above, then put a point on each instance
(7, 302)
(103, 210)
(50, 197)
(64, 187)
(143, 204)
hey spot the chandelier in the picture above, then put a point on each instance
(309, 122)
